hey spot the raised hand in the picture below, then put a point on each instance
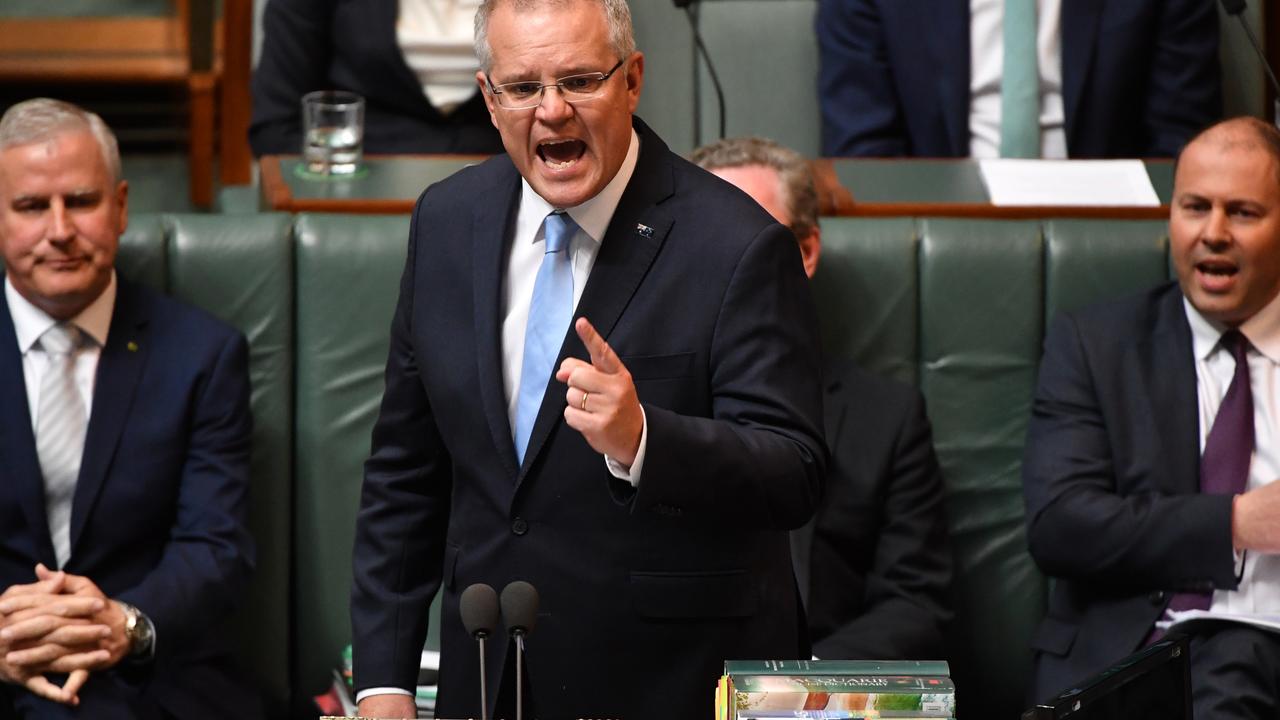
(601, 401)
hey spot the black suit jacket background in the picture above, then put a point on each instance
(1111, 476)
(351, 45)
(874, 564)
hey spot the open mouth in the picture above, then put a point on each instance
(561, 154)
(1217, 268)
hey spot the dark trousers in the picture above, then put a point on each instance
(102, 698)
(1235, 672)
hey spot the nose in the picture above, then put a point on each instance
(61, 228)
(1216, 229)
(552, 107)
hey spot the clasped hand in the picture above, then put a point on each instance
(601, 401)
(60, 623)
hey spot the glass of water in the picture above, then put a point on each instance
(333, 131)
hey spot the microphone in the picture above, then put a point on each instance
(520, 611)
(479, 609)
(1236, 8)
(711, 68)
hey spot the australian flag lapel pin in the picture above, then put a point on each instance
(644, 230)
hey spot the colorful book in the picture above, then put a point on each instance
(843, 683)
(861, 696)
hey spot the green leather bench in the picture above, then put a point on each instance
(957, 307)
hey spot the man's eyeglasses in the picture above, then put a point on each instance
(527, 94)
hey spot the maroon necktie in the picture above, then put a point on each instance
(1224, 466)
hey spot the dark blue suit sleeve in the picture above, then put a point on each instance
(206, 562)
(1184, 92)
(404, 513)
(861, 110)
(295, 60)
(1081, 524)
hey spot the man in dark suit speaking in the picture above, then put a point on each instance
(124, 451)
(1152, 453)
(603, 379)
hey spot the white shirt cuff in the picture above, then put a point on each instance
(631, 474)
(370, 692)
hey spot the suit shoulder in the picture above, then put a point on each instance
(718, 200)
(172, 317)
(464, 187)
(1134, 313)
(847, 382)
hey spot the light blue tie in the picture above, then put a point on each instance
(1020, 83)
(549, 316)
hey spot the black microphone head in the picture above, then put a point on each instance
(1233, 7)
(519, 606)
(479, 609)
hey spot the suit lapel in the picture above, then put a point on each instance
(1079, 22)
(119, 369)
(1167, 365)
(492, 234)
(949, 43)
(19, 466)
(636, 233)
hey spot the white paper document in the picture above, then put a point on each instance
(1109, 183)
(1173, 619)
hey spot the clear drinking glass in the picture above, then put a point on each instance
(333, 131)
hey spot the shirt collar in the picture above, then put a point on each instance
(592, 216)
(30, 322)
(1262, 330)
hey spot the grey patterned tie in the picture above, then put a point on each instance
(61, 421)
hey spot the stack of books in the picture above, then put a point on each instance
(845, 689)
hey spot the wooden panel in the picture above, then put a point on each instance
(234, 100)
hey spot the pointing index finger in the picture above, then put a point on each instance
(602, 356)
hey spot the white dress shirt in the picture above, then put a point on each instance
(1259, 589)
(435, 37)
(527, 245)
(986, 66)
(30, 322)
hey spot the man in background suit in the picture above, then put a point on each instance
(1104, 78)
(873, 565)
(1154, 445)
(603, 380)
(124, 451)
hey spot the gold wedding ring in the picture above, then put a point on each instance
(583, 404)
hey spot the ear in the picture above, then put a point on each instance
(635, 79)
(810, 251)
(489, 100)
(122, 200)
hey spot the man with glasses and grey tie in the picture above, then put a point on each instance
(1154, 446)
(603, 379)
(124, 450)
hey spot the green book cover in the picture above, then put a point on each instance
(837, 667)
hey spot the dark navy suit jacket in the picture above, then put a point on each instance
(1111, 476)
(351, 45)
(160, 509)
(1139, 77)
(644, 592)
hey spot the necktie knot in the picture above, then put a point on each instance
(558, 228)
(60, 339)
(1234, 342)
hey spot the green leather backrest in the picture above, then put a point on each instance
(242, 272)
(960, 307)
(348, 278)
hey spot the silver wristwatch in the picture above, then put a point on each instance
(138, 629)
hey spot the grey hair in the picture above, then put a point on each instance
(617, 13)
(798, 191)
(42, 119)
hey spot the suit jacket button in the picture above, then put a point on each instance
(519, 526)
(1157, 597)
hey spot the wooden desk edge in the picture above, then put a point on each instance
(275, 191)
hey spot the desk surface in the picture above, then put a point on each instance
(846, 186)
